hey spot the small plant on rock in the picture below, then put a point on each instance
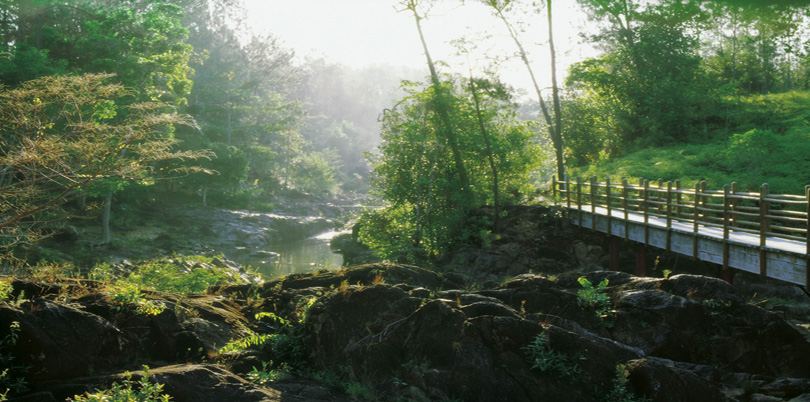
(127, 297)
(266, 374)
(620, 392)
(593, 297)
(12, 376)
(5, 291)
(542, 357)
(145, 391)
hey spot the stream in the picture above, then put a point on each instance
(293, 257)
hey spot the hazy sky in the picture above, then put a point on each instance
(362, 32)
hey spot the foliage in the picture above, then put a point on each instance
(5, 291)
(593, 297)
(58, 138)
(286, 344)
(182, 275)
(142, 390)
(266, 374)
(620, 392)
(246, 342)
(743, 153)
(417, 175)
(12, 376)
(542, 357)
(128, 297)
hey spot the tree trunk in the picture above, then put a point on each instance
(105, 219)
(556, 94)
(442, 108)
(483, 129)
(556, 141)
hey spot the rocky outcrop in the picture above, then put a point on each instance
(402, 332)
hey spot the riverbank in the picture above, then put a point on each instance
(531, 315)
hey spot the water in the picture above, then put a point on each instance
(295, 257)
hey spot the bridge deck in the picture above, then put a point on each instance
(780, 258)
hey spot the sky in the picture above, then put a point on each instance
(368, 32)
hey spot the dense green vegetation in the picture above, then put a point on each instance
(768, 142)
(693, 91)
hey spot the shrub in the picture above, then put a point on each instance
(591, 296)
(181, 275)
(542, 357)
(127, 297)
(5, 291)
(146, 391)
(12, 376)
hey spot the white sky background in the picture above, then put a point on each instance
(367, 32)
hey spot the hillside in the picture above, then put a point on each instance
(767, 141)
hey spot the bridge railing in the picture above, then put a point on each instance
(766, 215)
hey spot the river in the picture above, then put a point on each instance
(294, 257)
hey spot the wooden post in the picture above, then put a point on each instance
(624, 207)
(807, 237)
(695, 221)
(726, 273)
(607, 202)
(646, 211)
(641, 259)
(764, 228)
(579, 200)
(614, 247)
(734, 202)
(568, 191)
(593, 202)
(678, 198)
(669, 215)
(658, 197)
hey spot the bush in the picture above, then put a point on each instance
(180, 275)
(146, 391)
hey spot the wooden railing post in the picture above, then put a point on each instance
(726, 273)
(646, 212)
(568, 191)
(658, 197)
(607, 202)
(678, 198)
(734, 202)
(695, 221)
(624, 208)
(669, 216)
(764, 228)
(579, 200)
(807, 239)
(593, 202)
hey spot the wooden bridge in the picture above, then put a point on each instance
(759, 232)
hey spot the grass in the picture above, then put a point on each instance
(179, 275)
(769, 142)
(128, 391)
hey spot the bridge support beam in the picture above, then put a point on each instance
(641, 259)
(615, 247)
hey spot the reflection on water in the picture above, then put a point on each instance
(295, 257)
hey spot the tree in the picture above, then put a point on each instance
(415, 175)
(500, 8)
(62, 134)
(441, 101)
(651, 78)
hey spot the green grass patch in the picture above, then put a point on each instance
(180, 275)
(767, 141)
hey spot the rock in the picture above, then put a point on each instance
(661, 380)
(195, 383)
(64, 342)
(363, 274)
